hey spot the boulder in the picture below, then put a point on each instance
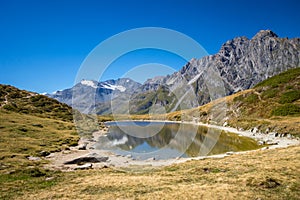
(254, 130)
(44, 153)
(87, 159)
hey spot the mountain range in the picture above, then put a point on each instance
(240, 64)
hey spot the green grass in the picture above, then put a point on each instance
(289, 97)
(251, 99)
(30, 179)
(271, 93)
(31, 125)
(263, 101)
(25, 135)
(283, 78)
(286, 109)
(25, 102)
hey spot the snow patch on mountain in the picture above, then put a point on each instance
(89, 83)
(195, 79)
(114, 87)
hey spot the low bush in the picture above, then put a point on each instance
(289, 97)
(286, 109)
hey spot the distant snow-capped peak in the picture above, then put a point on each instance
(106, 85)
(89, 83)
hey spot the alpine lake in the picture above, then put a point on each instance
(143, 140)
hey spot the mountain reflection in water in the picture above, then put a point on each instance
(143, 140)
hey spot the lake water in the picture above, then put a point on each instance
(158, 140)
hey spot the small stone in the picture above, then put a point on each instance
(254, 130)
(66, 152)
(33, 158)
(264, 148)
(38, 125)
(82, 146)
(85, 166)
(271, 143)
(151, 159)
(44, 153)
(49, 178)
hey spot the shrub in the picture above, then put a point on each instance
(290, 97)
(289, 87)
(287, 109)
(279, 79)
(270, 93)
(238, 98)
(10, 107)
(252, 98)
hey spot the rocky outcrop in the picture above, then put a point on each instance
(240, 64)
(87, 159)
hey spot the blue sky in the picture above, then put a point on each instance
(44, 42)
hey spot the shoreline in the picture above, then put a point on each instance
(58, 159)
(271, 138)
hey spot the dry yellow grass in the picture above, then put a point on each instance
(270, 174)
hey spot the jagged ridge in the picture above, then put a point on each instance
(240, 64)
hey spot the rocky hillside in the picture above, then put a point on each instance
(271, 106)
(240, 64)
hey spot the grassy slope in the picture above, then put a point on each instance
(30, 125)
(270, 174)
(24, 102)
(272, 105)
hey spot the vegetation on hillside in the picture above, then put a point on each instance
(31, 126)
(272, 105)
(21, 101)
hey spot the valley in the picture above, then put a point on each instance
(260, 101)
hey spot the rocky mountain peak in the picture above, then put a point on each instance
(235, 45)
(240, 64)
(265, 33)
